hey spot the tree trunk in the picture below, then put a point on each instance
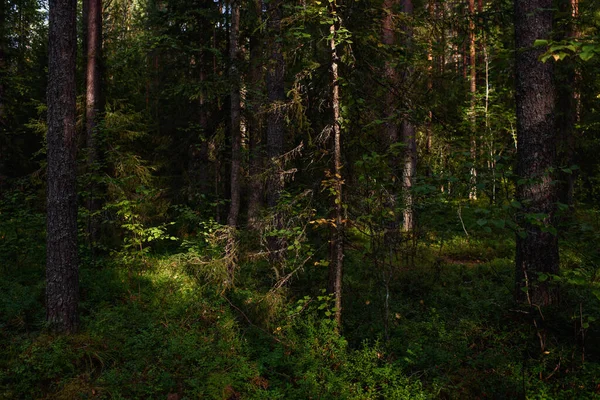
(236, 134)
(537, 245)
(409, 139)
(2, 94)
(94, 107)
(336, 264)
(275, 122)
(567, 81)
(62, 281)
(254, 121)
(473, 93)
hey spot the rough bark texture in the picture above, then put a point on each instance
(62, 282)
(408, 135)
(94, 105)
(537, 250)
(236, 134)
(337, 240)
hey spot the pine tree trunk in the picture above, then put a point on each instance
(236, 134)
(409, 139)
(62, 281)
(537, 246)
(336, 264)
(473, 93)
(94, 107)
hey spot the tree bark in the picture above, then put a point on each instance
(94, 107)
(236, 134)
(473, 100)
(537, 245)
(337, 240)
(409, 139)
(62, 281)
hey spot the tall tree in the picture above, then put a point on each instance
(408, 135)
(337, 240)
(235, 109)
(93, 101)
(62, 276)
(473, 99)
(275, 119)
(254, 104)
(537, 243)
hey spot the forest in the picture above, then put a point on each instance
(313, 199)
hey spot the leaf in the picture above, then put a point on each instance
(540, 42)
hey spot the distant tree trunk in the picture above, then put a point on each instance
(198, 161)
(62, 278)
(567, 81)
(430, 63)
(254, 121)
(473, 93)
(337, 240)
(2, 94)
(409, 140)
(537, 246)
(236, 134)
(94, 106)
(275, 120)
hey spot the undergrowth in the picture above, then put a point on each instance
(439, 325)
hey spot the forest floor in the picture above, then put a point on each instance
(440, 324)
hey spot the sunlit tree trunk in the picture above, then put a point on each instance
(337, 240)
(236, 134)
(537, 244)
(62, 277)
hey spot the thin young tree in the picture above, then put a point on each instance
(275, 119)
(537, 243)
(473, 99)
(337, 240)
(62, 275)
